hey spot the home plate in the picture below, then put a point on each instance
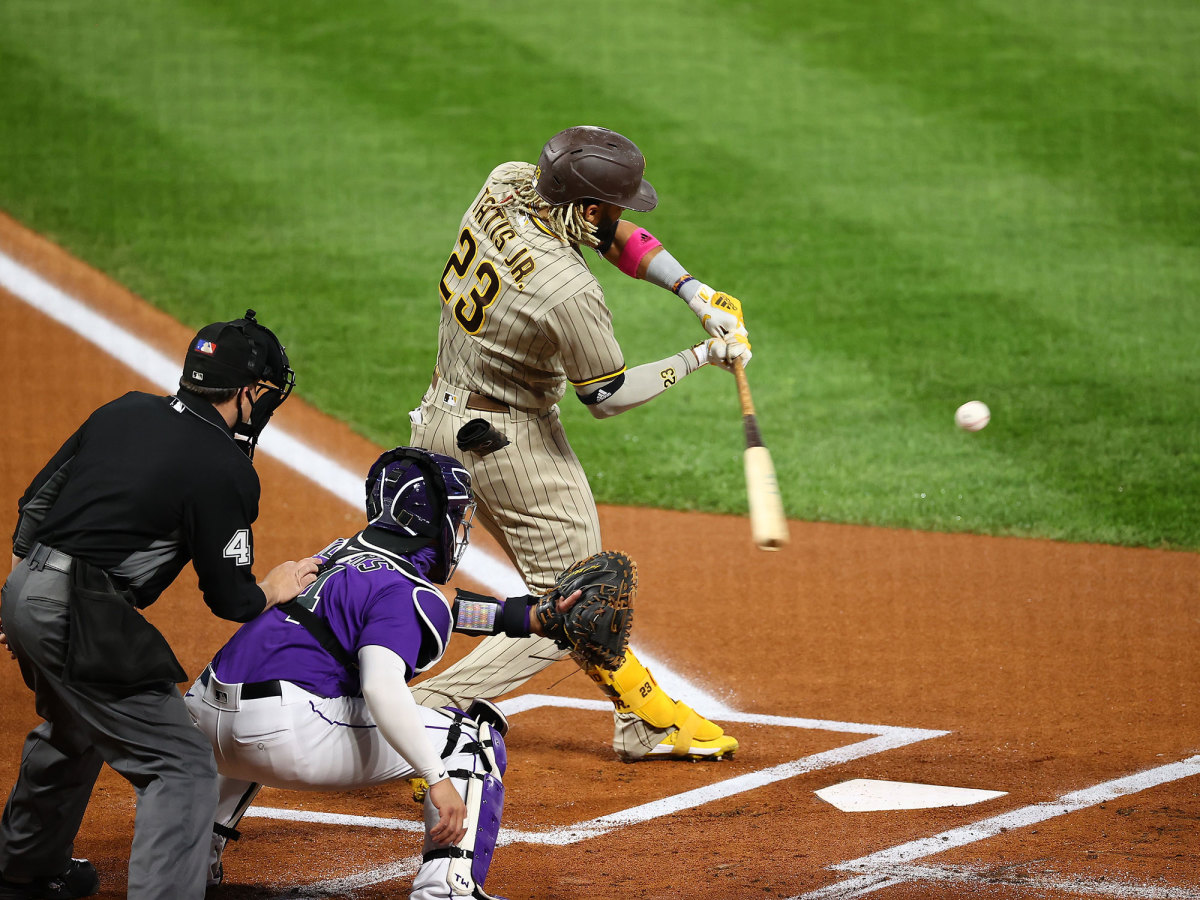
(867, 795)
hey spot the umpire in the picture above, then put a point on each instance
(145, 484)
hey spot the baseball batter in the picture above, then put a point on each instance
(314, 695)
(522, 317)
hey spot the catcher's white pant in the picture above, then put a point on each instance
(305, 742)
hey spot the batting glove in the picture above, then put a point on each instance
(719, 313)
(722, 352)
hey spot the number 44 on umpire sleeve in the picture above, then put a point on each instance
(238, 548)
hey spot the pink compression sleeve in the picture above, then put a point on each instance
(639, 244)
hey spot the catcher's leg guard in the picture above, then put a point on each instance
(678, 731)
(482, 789)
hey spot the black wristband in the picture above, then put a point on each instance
(514, 620)
(481, 614)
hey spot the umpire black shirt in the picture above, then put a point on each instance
(144, 485)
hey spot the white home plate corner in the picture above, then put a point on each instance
(869, 795)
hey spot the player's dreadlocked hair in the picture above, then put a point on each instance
(566, 221)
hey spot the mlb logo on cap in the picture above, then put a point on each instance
(222, 356)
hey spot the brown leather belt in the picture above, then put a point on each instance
(476, 401)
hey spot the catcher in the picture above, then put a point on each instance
(314, 695)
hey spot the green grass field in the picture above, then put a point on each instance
(920, 202)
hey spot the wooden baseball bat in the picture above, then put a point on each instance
(768, 526)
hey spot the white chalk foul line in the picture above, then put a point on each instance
(163, 371)
(884, 867)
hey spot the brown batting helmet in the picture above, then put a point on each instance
(587, 162)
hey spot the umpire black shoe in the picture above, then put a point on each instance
(78, 879)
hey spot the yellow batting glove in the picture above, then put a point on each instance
(719, 313)
(729, 304)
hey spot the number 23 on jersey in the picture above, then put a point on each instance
(469, 308)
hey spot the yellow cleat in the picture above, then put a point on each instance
(682, 733)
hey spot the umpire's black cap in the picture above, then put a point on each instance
(235, 354)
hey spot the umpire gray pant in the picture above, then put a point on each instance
(148, 738)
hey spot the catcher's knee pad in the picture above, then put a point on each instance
(483, 792)
(483, 710)
(633, 689)
(480, 711)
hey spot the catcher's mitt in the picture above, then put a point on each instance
(596, 628)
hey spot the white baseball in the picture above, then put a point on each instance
(972, 415)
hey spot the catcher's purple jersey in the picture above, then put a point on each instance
(367, 599)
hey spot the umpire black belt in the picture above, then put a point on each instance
(476, 401)
(43, 557)
(251, 690)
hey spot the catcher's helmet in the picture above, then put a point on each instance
(425, 497)
(588, 162)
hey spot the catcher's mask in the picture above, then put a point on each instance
(588, 162)
(425, 498)
(237, 354)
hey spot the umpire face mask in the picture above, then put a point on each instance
(250, 424)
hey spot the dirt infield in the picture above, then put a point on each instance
(1050, 672)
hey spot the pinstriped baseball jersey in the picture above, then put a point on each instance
(521, 313)
(521, 316)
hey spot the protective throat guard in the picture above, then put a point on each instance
(246, 432)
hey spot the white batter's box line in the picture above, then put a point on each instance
(526, 702)
(346, 886)
(882, 739)
(978, 876)
(893, 866)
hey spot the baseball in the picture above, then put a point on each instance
(972, 415)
